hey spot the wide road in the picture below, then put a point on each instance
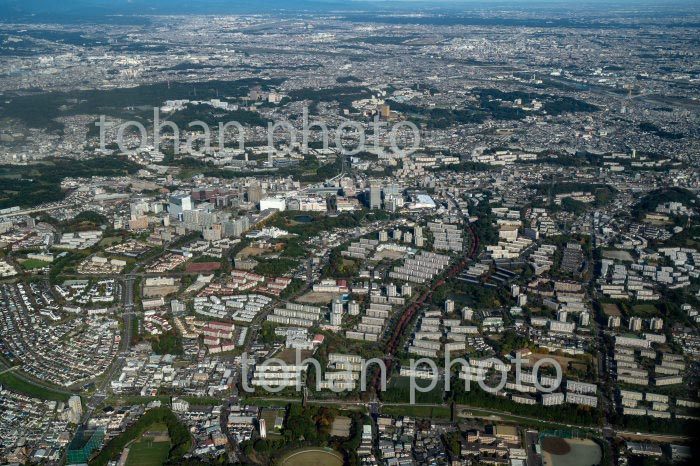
(100, 393)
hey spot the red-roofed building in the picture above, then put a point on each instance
(212, 341)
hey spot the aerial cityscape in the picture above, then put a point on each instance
(314, 232)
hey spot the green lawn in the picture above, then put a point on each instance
(644, 309)
(35, 264)
(16, 384)
(160, 427)
(149, 450)
(110, 240)
(146, 452)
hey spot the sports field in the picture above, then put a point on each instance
(151, 449)
(315, 456)
(581, 452)
(35, 264)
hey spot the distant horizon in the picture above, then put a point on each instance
(76, 7)
(136, 12)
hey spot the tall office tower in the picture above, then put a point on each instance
(385, 112)
(375, 196)
(75, 409)
(75, 404)
(191, 217)
(236, 227)
(242, 224)
(179, 203)
(254, 193)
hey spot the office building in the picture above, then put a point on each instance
(179, 203)
(375, 196)
(254, 193)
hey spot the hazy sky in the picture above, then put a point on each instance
(14, 8)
